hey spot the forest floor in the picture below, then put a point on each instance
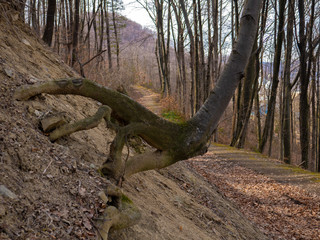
(281, 199)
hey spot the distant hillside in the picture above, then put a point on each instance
(134, 32)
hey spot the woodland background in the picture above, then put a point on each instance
(276, 108)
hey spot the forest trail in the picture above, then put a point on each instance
(282, 200)
(272, 168)
(261, 164)
(147, 98)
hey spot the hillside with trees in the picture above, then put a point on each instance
(246, 72)
(274, 109)
(54, 189)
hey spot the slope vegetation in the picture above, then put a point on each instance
(50, 190)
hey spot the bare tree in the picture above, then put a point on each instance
(269, 123)
(173, 142)
(75, 32)
(286, 118)
(48, 32)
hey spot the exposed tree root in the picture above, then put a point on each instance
(84, 124)
(174, 142)
(121, 212)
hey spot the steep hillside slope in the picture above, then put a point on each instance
(50, 190)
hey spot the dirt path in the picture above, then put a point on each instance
(147, 98)
(272, 168)
(282, 200)
(257, 162)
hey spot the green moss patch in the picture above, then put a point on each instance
(173, 116)
(296, 169)
(125, 199)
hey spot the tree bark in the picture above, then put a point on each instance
(192, 54)
(115, 29)
(304, 84)
(84, 124)
(75, 32)
(180, 56)
(318, 108)
(108, 35)
(286, 123)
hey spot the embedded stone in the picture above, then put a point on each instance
(4, 191)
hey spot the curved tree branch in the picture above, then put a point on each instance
(173, 141)
(84, 124)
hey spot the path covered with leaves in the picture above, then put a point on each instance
(280, 210)
(282, 201)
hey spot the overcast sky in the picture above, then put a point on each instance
(136, 13)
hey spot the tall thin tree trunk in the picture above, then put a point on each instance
(310, 63)
(75, 32)
(268, 127)
(197, 77)
(314, 118)
(202, 70)
(245, 100)
(101, 29)
(304, 83)
(318, 108)
(181, 56)
(34, 19)
(48, 32)
(167, 51)
(115, 29)
(192, 53)
(237, 94)
(108, 35)
(286, 123)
